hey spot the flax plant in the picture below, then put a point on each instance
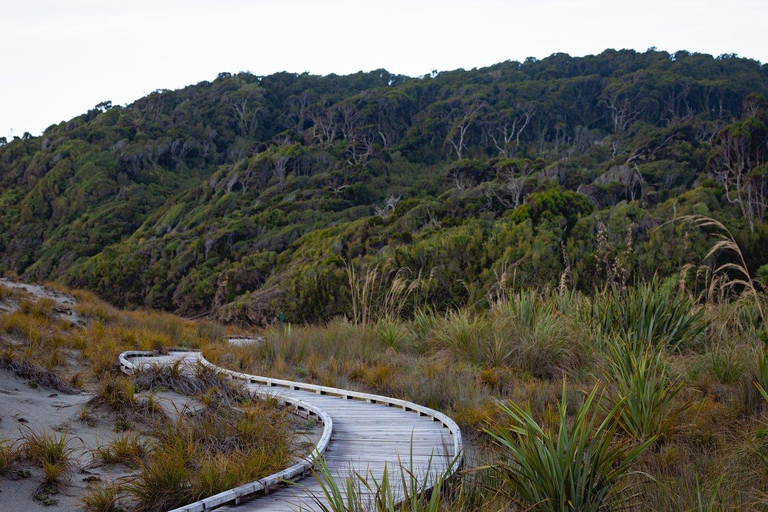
(575, 468)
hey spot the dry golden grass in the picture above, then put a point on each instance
(252, 442)
(460, 363)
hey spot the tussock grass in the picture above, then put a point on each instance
(30, 328)
(528, 331)
(41, 308)
(8, 455)
(124, 448)
(5, 292)
(116, 391)
(35, 373)
(201, 381)
(210, 451)
(48, 450)
(102, 497)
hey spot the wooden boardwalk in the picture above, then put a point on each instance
(362, 435)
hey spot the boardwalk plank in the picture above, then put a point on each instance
(366, 439)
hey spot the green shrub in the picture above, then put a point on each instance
(576, 467)
(641, 389)
(650, 312)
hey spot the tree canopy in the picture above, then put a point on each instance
(249, 195)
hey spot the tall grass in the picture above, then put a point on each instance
(102, 497)
(210, 451)
(738, 274)
(653, 312)
(576, 467)
(124, 448)
(642, 392)
(528, 331)
(378, 296)
(406, 492)
(8, 455)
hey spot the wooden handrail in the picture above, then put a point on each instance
(263, 485)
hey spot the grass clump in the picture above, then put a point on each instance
(210, 451)
(8, 455)
(118, 392)
(527, 331)
(48, 450)
(5, 292)
(42, 308)
(34, 373)
(576, 466)
(102, 497)
(125, 448)
(652, 312)
(199, 380)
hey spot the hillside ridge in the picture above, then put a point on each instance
(254, 198)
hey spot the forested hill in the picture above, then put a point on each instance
(248, 196)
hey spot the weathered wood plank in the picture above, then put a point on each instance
(368, 435)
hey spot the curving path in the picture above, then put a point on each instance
(362, 434)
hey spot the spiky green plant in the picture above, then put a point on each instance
(642, 391)
(651, 312)
(761, 372)
(412, 494)
(578, 467)
(708, 500)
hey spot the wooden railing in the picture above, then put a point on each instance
(307, 410)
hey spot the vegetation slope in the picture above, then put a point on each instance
(249, 197)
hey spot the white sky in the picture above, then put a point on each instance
(61, 57)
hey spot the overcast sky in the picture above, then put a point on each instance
(61, 57)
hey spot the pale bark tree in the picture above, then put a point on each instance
(513, 176)
(389, 206)
(507, 126)
(325, 126)
(623, 101)
(740, 167)
(462, 115)
(245, 115)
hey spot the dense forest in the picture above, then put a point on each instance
(249, 197)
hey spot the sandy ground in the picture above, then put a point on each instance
(25, 406)
(22, 408)
(65, 305)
